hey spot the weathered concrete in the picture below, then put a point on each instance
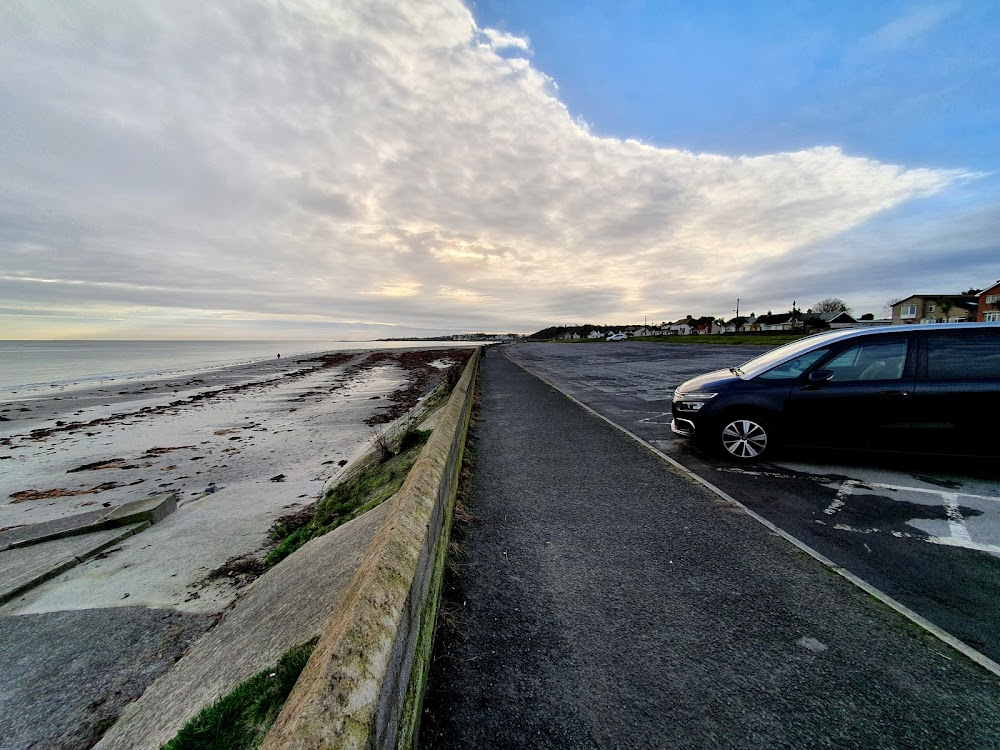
(82, 667)
(288, 606)
(33, 533)
(23, 569)
(361, 688)
(151, 509)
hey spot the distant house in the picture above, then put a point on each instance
(595, 334)
(935, 308)
(872, 322)
(781, 322)
(833, 319)
(680, 328)
(644, 332)
(988, 305)
(736, 325)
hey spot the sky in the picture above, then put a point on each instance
(310, 169)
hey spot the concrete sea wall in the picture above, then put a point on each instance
(363, 685)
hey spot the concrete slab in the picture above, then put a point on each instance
(152, 509)
(284, 608)
(67, 675)
(32, 533)
(168, 565)
(22, 569)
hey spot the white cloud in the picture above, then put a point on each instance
(501, 40)
(907, 28)
(364, 161)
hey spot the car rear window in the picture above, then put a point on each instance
(969, 355)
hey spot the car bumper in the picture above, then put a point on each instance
(684, 427)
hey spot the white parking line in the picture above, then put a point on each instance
(927, 490)
(956, 523)
(838, 501)
(958, 536)
(652, 419)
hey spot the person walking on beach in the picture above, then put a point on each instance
(279, 355)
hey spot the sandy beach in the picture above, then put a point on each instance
(241, 446)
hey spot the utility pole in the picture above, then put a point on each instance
(737, 307)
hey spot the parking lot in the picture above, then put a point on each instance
(924, 530)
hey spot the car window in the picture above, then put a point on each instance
(966, 356)
(793, 368)
(873, 360)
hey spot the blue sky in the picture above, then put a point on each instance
(366, 168)
(901, 82)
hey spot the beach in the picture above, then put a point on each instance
(240, 445)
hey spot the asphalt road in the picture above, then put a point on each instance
(605, 600)
(924, 530)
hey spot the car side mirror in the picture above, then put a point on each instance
(819, 377)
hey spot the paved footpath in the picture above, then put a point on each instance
(607, 601)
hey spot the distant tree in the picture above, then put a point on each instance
(971, 292)
(889, 304)
(867, 316)
(831, 304)
(942, 306)
(815, 324)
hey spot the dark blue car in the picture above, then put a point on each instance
(911, 388)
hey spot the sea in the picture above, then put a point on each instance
(31, 365)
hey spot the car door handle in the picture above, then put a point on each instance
(894, 394)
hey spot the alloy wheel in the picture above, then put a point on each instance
(744, 439)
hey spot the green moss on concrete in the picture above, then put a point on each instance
(409, 721)
(353, 497)
(353, 697)
(240, 720)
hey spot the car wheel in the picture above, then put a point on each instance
(746, 438)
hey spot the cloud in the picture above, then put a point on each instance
(501, 40)
(361, 163)
(907, 28)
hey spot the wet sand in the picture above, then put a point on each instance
(241, 446)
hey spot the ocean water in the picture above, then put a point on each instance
(30, 365)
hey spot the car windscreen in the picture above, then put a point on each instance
(774, 357)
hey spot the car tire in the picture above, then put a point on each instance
(746, 438)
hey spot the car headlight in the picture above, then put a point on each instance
(692, 401)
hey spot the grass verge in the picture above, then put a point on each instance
(448, 628)
(345, 501)
(240, 720)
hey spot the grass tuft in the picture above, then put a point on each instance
(240, 720)
(351, 498)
